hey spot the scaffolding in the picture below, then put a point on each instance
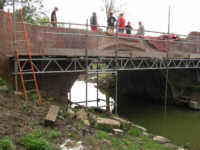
(105, 64)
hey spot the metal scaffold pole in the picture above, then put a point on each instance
(86, 65)
(97, 84)
(116, 66)
(167, 67)
(14, 48)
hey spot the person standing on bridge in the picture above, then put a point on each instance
(54, 17)
(121, 23)
(140, 31)
(128, 28)
(93, 22)
(111, 22)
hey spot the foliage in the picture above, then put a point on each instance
(6, 144)
(44, 21)
(107, 84)
(123, 144)
(63, 114)
(5, 89)
(152, 145)
(73, 135)
(53, 134)
(2, 82)
(32, 10)
(112, 5)
(37, 141)
(101, 135)
(134, 132)
(31, 15)
(2, 3)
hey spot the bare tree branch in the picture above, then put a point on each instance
(112, 5)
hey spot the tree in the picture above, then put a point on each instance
(111, 5)
(32, 10)
(2, 3)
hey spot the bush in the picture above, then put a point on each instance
(6, 144)
(36, 141)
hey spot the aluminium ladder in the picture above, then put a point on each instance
(26, 40)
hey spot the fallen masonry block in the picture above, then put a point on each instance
(51, 115)
(105, 121)
(118, 131)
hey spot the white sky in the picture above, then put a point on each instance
(185, 14)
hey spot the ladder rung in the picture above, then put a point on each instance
(19, 41)
(27, 70)
(29, 80)
(32, 90)
(19, 31)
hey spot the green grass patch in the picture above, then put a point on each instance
(6, 144)
(73, 135)
(123, 144)
(53, 134)
(5, 89)
(101, 135)
(152, 145)
(37, 141)
(2, 82)
(134, 132)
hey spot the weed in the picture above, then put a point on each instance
(2, 82)
(152, 145)
(53, 134)
(134, 132)
(63, 113)
(73, 136)
(123, 144)
(37, 141)
(5, 89)
(101, 135)
(6, 144)
(104, 127)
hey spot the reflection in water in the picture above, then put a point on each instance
(180, 125)
(78, 93)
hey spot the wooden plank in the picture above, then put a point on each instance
(52, 113)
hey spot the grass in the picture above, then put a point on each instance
(134, 132)
(53, 134)
(6, 144)
(101, 135)
(2, 82)
(133, 139)
(5, 89)
(151, 145)
(37, 141)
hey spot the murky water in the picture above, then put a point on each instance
(179, 124)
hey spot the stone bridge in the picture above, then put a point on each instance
(61, 54)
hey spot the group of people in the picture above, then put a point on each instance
(112, 22)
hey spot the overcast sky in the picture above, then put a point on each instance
(185, 14)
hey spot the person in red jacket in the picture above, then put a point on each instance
(121, 23)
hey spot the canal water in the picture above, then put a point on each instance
(179, 124)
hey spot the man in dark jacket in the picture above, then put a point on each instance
(111, 22)
(93, 22)
(128, 28)
(54, 17)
